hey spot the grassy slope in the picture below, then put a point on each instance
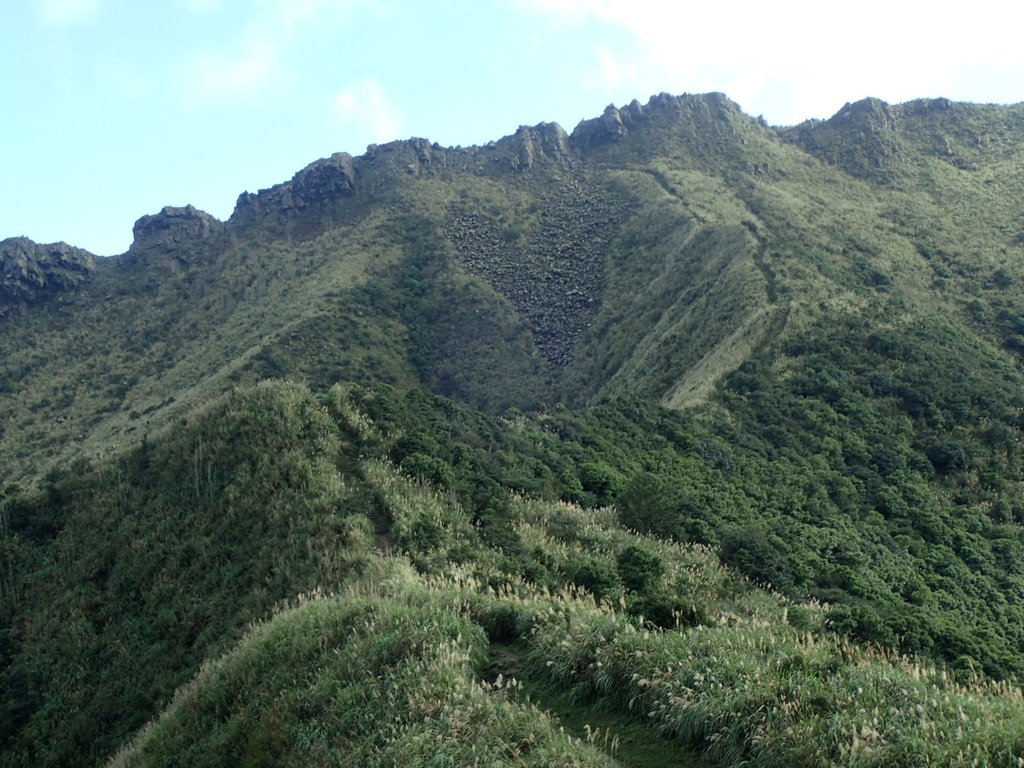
(129, 576)
(832, 460)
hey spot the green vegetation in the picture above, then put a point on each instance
(128, 576)
(698, 444)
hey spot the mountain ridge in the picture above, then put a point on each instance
(679, 420)
(336, 176)
(513, 236)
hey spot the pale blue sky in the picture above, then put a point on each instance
(111, 109)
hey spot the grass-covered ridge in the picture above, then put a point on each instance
(431, 566)
(311, 686)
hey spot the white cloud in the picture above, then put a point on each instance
(292, 13)
(614, 72)
(364, 105)
(66, 12)
(794, 59)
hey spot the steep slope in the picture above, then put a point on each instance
(798, 349)
(651, 251)
(410, 263)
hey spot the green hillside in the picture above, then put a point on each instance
(680, 439)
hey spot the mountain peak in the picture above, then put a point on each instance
(707, 110)
(862, 138)
(173, 226)
(869, 106)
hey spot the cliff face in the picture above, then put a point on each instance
(31, 272)
(173, 228)
(173, 239)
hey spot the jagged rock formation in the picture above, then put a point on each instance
(700, 118)
(412, 156)
(319, 195)
(173, 228)
(31, 272)
(320, 182)
(544, 140)
(611, 126)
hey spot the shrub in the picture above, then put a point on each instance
(754, 553)
(640, 570)
(599, 577)
(429, 469)
(948, 457)
(601, 480)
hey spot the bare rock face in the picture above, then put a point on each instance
(320, 183)
(172, 239)
(544, 140)
(173, 227)
(713, 112)
(609, 127)
(31, 272)
(413, 157)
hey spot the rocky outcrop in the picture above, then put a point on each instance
(31, 272)
(610, 127)
(320, 183)
(547, 140)
(318, 195)
(532, 144)
(173, 228)
(709, 111)
(410, 156)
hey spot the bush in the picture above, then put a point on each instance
(601, 480)
(753, 553)
(640, 570)
(429, 469)
(599, 577)
(948, 457)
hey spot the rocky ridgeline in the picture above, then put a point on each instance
(320, 182)
(173, 235)
(32, 272)
(315, 196)
(529, 145)
(878, 141)
(554, 276)
(699, 119)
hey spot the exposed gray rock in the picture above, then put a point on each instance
(319, 183)
(544, 140)
(31, 272)
(707, 110)
(173, 227)
(413, 157)
(554, 276)
(609, 127)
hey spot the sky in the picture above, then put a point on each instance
(112, 109)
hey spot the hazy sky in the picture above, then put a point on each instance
(111, 109)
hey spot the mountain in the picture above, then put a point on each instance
(706, 432)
